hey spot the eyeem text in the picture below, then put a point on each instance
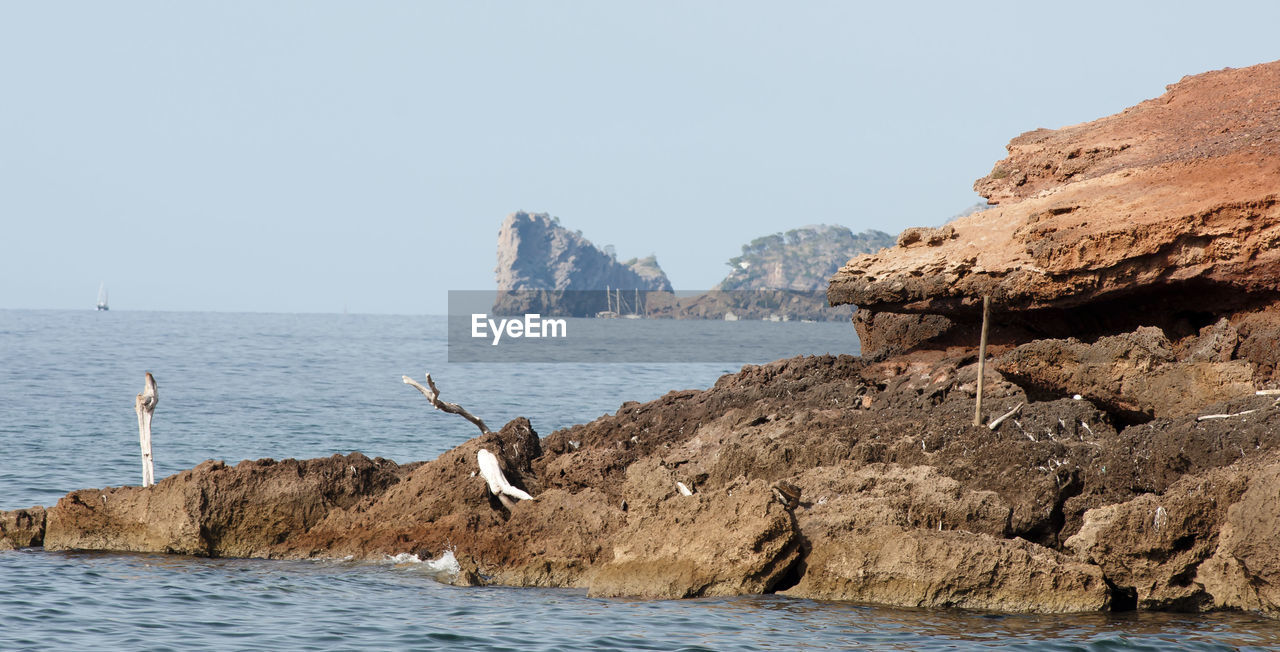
(532, 325)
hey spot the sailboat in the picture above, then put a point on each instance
(102, 297)
(609, 312)
(635, 309)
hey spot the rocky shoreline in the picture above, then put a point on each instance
(1134, 265)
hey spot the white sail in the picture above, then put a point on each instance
(102, 297)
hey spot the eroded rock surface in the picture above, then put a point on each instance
(920, 568)
(22, 528)
(214, 509)
(729, 542)
(1134, 374)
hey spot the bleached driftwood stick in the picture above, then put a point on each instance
(1268, 392)
(1000, 419)
(433, 395)
(491, 471)
(1224, 416)
(982, 359)
(145, 404)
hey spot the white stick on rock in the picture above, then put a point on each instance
(433, 395)
(684, 491)
(1224, 416)
(492, 474)
(145, 404)
(1001, 419)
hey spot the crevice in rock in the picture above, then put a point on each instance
(1048, 532)
(1036, 392)
(1123, 598)
(1178, 308)
(795, 572)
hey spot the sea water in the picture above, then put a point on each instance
(247, 386)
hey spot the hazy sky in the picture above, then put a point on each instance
(306, 156)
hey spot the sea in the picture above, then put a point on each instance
(248, 386)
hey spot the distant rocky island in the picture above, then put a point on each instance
(546, 268)
(801, 259)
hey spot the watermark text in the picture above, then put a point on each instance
(532, 325)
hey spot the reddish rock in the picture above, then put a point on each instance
(1165, 214)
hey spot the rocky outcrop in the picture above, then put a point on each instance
(735, 541)
(1135, 375)
(918, 568)
(1138, 466)
(801, 260)
(22, 528)
(215, 510)
(1209, 541)
(1165, 214)
(548, 269)
(886, 494)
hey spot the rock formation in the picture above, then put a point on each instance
(779, 276)
(548, 269)
(1140, 473)
(801, 259)
(1165, 215)
(22, 528)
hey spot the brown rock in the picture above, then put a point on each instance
(22, 528)
(1134, 373)
(925, 235)
(1259, 332)
(1151, 547)
(731, 542)
(216, 510)
(929, 568)
(843, 499)
(1244, 571)
(884, 333)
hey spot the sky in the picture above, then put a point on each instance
(327, 156)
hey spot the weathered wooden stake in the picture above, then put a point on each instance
(145, 404)
(982, 359)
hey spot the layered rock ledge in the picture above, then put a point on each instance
(1165, 214)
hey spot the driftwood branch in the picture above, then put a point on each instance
(433, 395)
(1001, 419)
(145, 404)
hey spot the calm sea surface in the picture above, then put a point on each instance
(246, 386)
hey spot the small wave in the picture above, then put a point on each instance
(446, 565)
